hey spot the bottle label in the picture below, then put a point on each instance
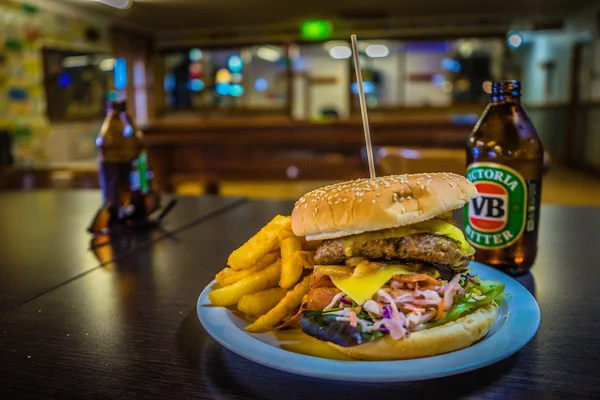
(497, 217)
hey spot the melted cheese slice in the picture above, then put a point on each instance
(362, 288)
(434, 226)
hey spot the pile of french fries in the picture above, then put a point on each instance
(267, 276)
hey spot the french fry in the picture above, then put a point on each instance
(229, 276)
(263, 242)
(286, 306)
(286, 233)
(290, 269)
(257, 304)
(263, 279)
(305, 258)
(223, 274)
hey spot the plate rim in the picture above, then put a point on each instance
(266, 354)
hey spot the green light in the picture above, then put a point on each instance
(317, 29)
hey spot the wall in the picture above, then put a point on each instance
(25, 27)
(316, 62)
(587, 136)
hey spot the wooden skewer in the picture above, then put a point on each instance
(363, 106)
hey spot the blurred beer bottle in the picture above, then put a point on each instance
(505, 162)
(123, 171)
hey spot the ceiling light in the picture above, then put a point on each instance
(316, 30)
(108, 64)
(340, 52)
(120, 4)
(377, 50)
(268, 53)
(334, 43)
(75, 61)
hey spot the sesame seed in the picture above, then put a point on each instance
(374, 201)
(359, 201)
(408, 197)
(451, 184)
(403, 209)
(422, 187)
(378, 194)
(344, 200)
(395, 197)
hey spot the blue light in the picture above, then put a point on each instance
(368, 87)
(450, 64)
(223, 88)
(169, 82)
(64, 80)
(196, 85)
(236, 90)
(261, 84)
(438, 79)
(128, 131)
(120, 73)
(235, 63)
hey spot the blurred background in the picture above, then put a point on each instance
(258, 98)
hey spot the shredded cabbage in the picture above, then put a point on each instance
(485, 292)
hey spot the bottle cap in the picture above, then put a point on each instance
(117, 105)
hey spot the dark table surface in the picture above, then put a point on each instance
(129, 329)
(43, 239)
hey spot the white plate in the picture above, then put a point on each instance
(518, 321)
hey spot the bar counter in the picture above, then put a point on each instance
(266, 148)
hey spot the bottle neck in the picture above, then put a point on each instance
(505, 98)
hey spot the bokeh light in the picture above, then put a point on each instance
(340, 52)
(223, 88)
(195, 55)
(196, 85)
(235, 63)
(377, 50)
(223, 76)
(447, 87)
(514, 40)
(487, 87)
(236, 90)
(261, 84)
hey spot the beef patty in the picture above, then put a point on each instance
(423, 247)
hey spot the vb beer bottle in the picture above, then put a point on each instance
(505, 162)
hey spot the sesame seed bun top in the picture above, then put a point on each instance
(365, 205)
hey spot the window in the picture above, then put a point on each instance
(77, 84)
(242, 80)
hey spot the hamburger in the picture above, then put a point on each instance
(391, 275)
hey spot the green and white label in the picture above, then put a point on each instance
(496, 218)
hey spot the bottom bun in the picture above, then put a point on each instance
(445, 338)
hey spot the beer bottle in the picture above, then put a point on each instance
(119, 146)
(504, 161)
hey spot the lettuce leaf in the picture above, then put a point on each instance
(325, 327)
(491, 290)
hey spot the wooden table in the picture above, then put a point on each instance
(43, 239)
(129, 329)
